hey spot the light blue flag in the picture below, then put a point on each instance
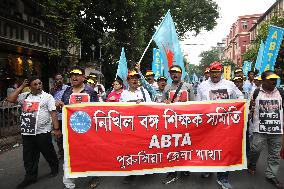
(246, 67)
(271, 48)
(157, 63)
(167, 40)
(259, 56)
(194, 78)
(122, 70)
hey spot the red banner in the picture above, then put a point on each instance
(105, 139)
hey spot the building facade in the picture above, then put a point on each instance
(239, 38)
(275, 10)
(26, 38)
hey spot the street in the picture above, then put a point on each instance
(12, 173)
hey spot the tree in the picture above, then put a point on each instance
(125, 23)
(207, 57)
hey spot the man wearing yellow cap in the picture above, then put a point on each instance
(77, 78)
(177, 91)
(99, 88)
(267, 109)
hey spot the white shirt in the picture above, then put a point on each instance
(271, 99)
(224, 89)
(127, 95)
(46, 103)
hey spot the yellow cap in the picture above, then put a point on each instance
(238, 70)
(175, 69)
(76, 71)
(258, 78)
(236, 78)
(149, 72)
(272, 76)
(92, 75)
(90, 81)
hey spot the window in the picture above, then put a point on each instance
(244, 25)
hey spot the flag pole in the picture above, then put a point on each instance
(152, 38)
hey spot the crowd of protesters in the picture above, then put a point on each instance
(146, 89)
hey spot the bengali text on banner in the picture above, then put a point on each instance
(119, 139)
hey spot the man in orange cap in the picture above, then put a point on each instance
(216, 88)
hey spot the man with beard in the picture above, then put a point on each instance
(177, 91)
(77, 79)
(57, 92)
(40, 104)
(216, 88)
(267, 110)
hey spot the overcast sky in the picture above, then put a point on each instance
(229, 12)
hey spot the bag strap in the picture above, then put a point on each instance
(177, 91)
(143, 93)
(255, 93)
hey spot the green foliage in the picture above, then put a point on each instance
(207, 57)
(123, 23)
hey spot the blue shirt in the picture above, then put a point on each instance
(57, 95)
(87, 89)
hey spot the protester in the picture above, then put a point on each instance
(134, 94)
(57, 92)
(238, 81)
(257, 83)
(99, 88)
(238, 72)
(11, 88)
(91, 82)
(77, 79)
(162, 82)
(115, 95)
(39, 140)
(207, 73)
(150, 78)
(266, 100)
(177, 91)
(249, 84)
(216, 88)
